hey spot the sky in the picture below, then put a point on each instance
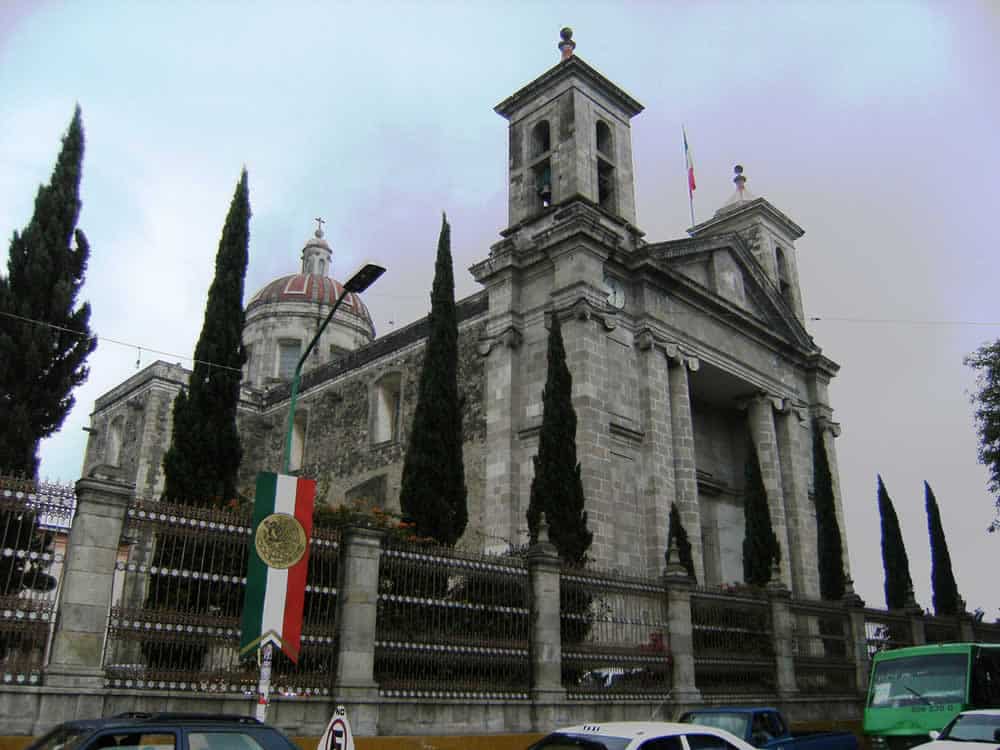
(871, 124)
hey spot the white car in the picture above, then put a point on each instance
(969, 726)
(641, 735)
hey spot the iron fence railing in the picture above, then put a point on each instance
(733, 643)
(178, 598)
(451, 624)
(987, 632)
(35, 518)
(885, 630)
(822, 648)
(615, 635)
(942, 630)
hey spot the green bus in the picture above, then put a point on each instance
(917, 689)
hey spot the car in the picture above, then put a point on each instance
(640, 735)
(164, 731)
(982, 726)
(766, 728)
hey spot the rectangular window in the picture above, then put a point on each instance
(288, 357)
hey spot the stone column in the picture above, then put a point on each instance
(761, 419)
(794, 446)
(77, 654)
(858, 634)
(657, 448)
(547, 690)
(783, 634)
(685, 470)
(829, 431)
(357, 603)
(684, 687)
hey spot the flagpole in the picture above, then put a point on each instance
(264, 684)
(691, 205)
(689, 169)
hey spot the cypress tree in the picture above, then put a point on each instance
(945, 590)
(676, 534)
(433, 492)
(760, 544)
(42, 362)
(830, 551)
(201, 465)
(557, 488)
(894, 561)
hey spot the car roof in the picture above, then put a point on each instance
(137, 719)
(634, 729)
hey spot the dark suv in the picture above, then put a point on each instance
(165, 731)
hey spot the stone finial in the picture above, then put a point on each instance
(543, 530)
(675, 569)
(567, 45)
(776, 585)
(851, 596)
(911, 601)
(739, 179)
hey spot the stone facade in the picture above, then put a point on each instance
(682, 352)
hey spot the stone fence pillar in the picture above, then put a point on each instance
(857, 637)
(683, 686)
(779, 598)
(357, 605)
(545, 644)
(87, 584)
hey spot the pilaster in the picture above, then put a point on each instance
(855, 607)
(761, 418)
(793, 435)
(779, 598)
(830, 430)
(87, 585)
(682, 439)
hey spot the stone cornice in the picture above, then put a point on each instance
(757, 205)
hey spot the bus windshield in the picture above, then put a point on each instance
(928, 679)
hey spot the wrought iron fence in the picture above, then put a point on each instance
(615, 635)
(884, 630)
(733, 644)
(987, 632)
(35, 518)
(822, 648)
(451, 624)
(942, 630)
(178, 597)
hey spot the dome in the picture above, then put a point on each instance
(309, 288)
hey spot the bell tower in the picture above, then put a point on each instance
(570, 137)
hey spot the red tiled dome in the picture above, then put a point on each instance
(307, 287)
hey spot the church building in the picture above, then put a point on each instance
(682, 352)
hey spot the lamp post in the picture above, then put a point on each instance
(361, 280)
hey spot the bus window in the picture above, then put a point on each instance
(927, 679)
(985, 683)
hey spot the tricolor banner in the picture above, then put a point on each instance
(278, 563)
(689, 163)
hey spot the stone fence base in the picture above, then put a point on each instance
(31, 711)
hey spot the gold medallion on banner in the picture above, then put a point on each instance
(280, 540)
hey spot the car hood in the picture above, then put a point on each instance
(957, 745)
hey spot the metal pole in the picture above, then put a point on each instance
(264, 684)
(297, 377)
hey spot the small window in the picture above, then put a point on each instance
(321, 270)
(248, 350)
(662, 743)
(605, 185)
(707, 742)
(386, 407)
(114, 452)
(222, 741)
(540, 141)
(784, 277)
(134, 741)
(542, 174)
(604, 144)
(288, 357)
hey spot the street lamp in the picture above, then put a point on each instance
(361, 280)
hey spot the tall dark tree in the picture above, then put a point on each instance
(943, 586)
(986, 361)
(201, 464)
(761, 549)
(433, 494)
(895, 563)
(45, 338)
(677, 534)
(829, 549)
(557, 488)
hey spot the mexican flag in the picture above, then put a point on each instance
(278, 563)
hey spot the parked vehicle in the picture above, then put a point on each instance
(917, 689)
(164, 731)
(981, 727)
(640, 735)
(766, 728)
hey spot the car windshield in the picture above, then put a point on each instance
(569, 741)
(735, 723)
(61, 738)
(919, 681)
(973, 728)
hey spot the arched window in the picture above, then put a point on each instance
(385, 408)
(115, 430)
(289, 351)
(784, 277)
(540, 140)
(604, 143)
